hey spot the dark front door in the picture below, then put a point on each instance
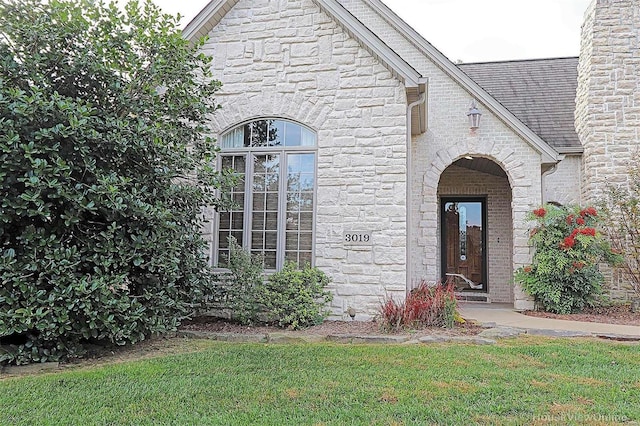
(464, 243)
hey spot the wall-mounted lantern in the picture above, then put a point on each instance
(474, 115)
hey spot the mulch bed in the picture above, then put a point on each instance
(211, 324)
(618, 314)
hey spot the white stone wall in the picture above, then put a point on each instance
(448, 139)
(288, 59)
(608, 97)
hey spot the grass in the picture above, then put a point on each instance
(523, 381)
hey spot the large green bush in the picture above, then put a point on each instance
(103, 175)
(296, 298)
(564, 276)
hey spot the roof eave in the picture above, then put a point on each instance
(207, 19)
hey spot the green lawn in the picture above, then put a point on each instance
(523, 381)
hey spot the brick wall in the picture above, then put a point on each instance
(288, 59)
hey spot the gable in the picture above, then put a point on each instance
(414, 83)
(403, 38)
(377, 43)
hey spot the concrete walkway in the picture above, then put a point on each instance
(503, 315)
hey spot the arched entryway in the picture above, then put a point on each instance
(475, 227)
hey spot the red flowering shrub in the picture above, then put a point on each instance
(564, 276)
(424, 306)
(541, 212)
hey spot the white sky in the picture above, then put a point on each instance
(476, 30)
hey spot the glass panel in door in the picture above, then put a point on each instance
(463, 244)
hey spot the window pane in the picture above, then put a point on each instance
(225, 220)
(276, 133)
(233, 139)
(257, 240)
(272, 201)
(258, 200)
(270, 240)
(305, 257)
(238, 236)
(238, 220)
(223, 236)
(291, 256)
(308, 138)
(239, 200)
(258, 131)
(306, 221)
(293, 134)
(306, 241)
(272, 221)
(223, 257)
(292, 241)
(270, 260)
(293, 220)
(306, 201)
(258, 220)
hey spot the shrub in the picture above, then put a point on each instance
(296, 298)
(621, 225)
(564, 276)
(424, 306)
(240, 287)
(293, 298)
(103, 174)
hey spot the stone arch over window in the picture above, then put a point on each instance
(275, 160)
(291, 106)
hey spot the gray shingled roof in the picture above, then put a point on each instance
(540, 92)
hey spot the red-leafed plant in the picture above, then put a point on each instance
(425, 306)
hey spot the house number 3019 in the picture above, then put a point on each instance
(357, 238)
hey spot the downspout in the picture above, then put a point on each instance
(410, 107)
(551, 171)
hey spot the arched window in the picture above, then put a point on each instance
(275, 199)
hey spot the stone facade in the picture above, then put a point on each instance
(608, 103)
(295, 60)
(288, 59)
(608, 99)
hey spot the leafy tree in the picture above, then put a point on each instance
(103, 174)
